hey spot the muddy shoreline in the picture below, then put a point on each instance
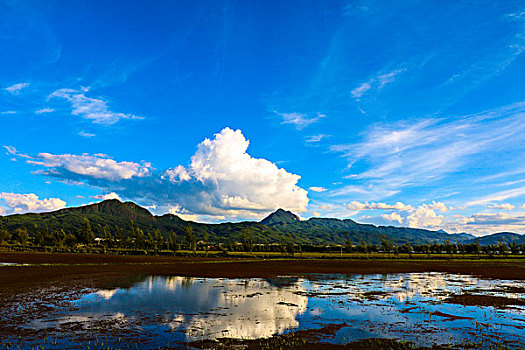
(98, 270)
(51, 280)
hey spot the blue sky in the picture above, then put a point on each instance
(406, 113)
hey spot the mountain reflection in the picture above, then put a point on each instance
(210, 308)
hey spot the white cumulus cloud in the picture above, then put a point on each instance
(221, 181)
(239, 181)
(393, 217)
(438, 206)
(424, 217)
(317, 189)
(97, 166)
(177, 174)
(502, 206)
(111, 195)
(29, 202)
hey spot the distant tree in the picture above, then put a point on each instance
(172, 241)
(140, 238)
(282, 243)
(407, 248)
(43, 237)
(190, 240)
(477, 248)
(290, 245)
(70, 240)
(206, 238)
(20, 235)
(4, 235)
(348, 243)
(427, 248)
(502, 247)
(396, 249)
(247, 240)
(449, 247)
(231, 245)
(58, 238)
(108, 237)
(157, 237)
(88, 237)
(461, 248)
(386, 245)
(364, 247)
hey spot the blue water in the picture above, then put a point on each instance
(168, 311)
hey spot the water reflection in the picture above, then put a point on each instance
(405, 306)
(202, 308)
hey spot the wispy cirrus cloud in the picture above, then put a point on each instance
(16, 88)
(93, 109)
(316, 138)
(377, 82)
(494, 219)
(86, 134)
(499, 196)
(44, 110)
(404, 154)
(355, 205)
(299, 120)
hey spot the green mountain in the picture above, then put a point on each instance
(281, 216)
(121, 219)
(507, 237)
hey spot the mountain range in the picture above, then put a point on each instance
(121, 217)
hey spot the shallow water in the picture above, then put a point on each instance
(162, 311)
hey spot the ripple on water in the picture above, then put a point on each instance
(418, 307)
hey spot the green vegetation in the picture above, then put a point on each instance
(126, 228)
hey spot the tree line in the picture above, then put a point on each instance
(153, 240)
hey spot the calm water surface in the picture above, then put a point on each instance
(165, 311)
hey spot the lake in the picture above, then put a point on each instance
(155, 311)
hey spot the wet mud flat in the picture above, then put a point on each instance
(107, 302)
(97, 265)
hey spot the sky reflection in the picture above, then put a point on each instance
(411, 307)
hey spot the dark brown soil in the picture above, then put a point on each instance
(82, 266)
(310, 339)
(303, 339)
(483, 300)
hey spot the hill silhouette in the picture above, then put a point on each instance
(124, 217)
